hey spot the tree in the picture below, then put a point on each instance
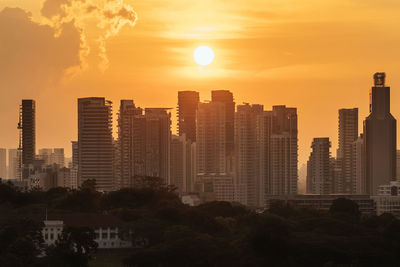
(345, 208)
(74, 248)
(21, 243)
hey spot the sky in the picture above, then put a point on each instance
(317, 56)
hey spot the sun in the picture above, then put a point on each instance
(203, 55)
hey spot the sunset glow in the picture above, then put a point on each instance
(278, 51)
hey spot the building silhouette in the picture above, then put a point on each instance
(319, 176)
(28, 112)
(359, 166)
(143, 144)
(181, 174)
(129, 141)
(226, 97)
(158, 142)
(52, 156)
(246, 154)
(13, 156)
(278, 152)
(95, 142)
(74, 163)
(211, 138)
(187, 107)
(278, 144)
(3, 163)
(348, 133)
(380, 137)
(211, 155)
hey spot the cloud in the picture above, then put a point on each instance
(32, 57)
(109, 16)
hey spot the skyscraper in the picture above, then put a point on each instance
(187, 107)
(380, 137)
(278, 150)
(74, 164)
(359, 166)
(398, 165)
(52, 156)
(211, 138)
(144, 143)
(246, 154)
(158, 141)
(3, 163)
(28, 113)
(181, 164)
(95, 143)
(226, 97)
(319, 179)
(213, 176)
(58, 157)
(348, 133)
(128, 142)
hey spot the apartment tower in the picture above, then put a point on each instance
(380, 137)
(95, 142)
(187, 107)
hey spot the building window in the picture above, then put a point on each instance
(112, 235)
(104, 235)
(51, 236)
(97, 235)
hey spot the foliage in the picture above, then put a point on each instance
(169, 233)
(74, 248)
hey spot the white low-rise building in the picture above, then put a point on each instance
(51, 231)
(106, 229)
(388, 199)
(387, 204)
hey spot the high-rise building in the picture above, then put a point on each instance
(211, 138)
(226, 97)
(74, 165)
(143, 143)
(213, 176)
(319, 179)
(348, 133)
(181, 164)
(58, 157)
(13, 163)
(187, 107)
(398, 165)
(246, 154)
(52, 156)
(278, 150)
(130, 140)
(28, 113)
(45, 155)
(75, 153)
(3, 163)
(158, 141)
(380, 137)
(95, 142)
(359, 166)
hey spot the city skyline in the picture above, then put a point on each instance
(304, 150)
(285, 52)
(199, 133)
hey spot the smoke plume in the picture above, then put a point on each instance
(105, 18)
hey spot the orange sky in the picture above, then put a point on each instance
(315, 55)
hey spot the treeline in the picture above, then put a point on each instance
(212, 234)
